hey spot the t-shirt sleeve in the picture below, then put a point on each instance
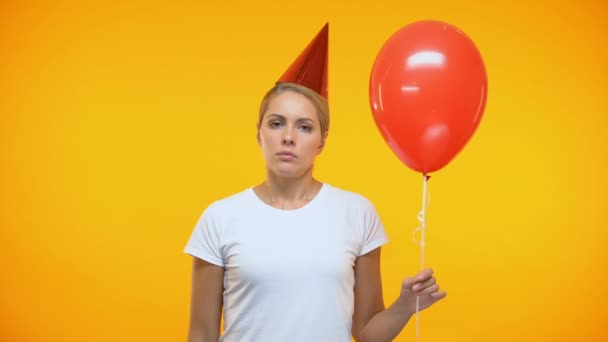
(205, 240)
(374, 235)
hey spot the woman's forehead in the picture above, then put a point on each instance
(292, 105)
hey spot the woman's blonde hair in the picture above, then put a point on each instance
(317, 101)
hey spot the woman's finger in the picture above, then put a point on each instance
(424, 285)
(424, 275)
(428, 290)
(438, 295)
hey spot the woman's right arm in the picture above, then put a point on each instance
(206, 301)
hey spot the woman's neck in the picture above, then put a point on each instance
(288, 193)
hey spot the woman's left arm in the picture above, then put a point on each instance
(371, 321)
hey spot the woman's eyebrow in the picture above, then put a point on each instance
(306, 120)
(279, 116)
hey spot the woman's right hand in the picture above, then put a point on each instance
(423, 285)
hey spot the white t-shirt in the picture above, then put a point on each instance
(289, 274)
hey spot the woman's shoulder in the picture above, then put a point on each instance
(230, 203)
(347, 196)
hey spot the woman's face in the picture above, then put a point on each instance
(290, 135)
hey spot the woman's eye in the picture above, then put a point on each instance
(306, 128)
(275, 124)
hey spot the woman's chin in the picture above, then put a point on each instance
(288, 172)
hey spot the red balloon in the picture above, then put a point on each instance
(428, 90)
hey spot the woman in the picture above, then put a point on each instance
(295, 259)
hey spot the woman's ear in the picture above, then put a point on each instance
(323, 138)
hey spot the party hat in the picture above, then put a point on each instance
(310, 68)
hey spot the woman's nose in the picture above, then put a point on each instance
(288, 138)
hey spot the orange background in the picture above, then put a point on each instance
(121, 122)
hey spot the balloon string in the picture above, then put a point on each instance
(421, 229)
